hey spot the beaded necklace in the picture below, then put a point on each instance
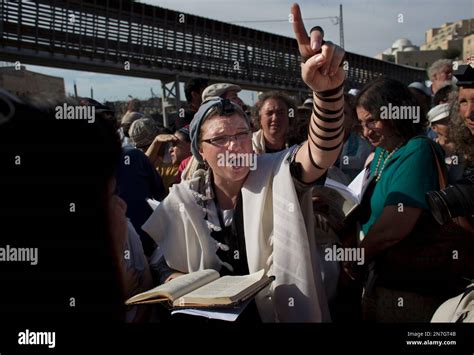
(378, 173)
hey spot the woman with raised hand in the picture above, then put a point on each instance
(245, 213)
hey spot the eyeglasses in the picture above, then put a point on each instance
(224, 141)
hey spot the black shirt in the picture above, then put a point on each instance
(233, 238)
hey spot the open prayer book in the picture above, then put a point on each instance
(351, 196)
(205, 289)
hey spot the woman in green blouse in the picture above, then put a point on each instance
(404, 169)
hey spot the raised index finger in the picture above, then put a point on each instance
(298, 27)
(317, 37)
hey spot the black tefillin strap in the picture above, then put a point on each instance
(315, 28)
(323, 42)
(327, 119)
(334, 99)
(330, 112)
(323, 94)
(339, 129)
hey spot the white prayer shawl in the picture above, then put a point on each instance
(457, 309)
(276, 227)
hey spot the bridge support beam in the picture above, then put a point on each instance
(171, 96)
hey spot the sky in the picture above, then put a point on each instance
(370, 26)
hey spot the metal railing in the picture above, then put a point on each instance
(128, 38)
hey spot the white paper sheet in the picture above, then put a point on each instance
(225, 314)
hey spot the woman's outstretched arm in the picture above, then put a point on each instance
(323, 74)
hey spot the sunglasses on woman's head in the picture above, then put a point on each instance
(224, 106)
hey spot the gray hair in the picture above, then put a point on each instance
(437, 66)
(458, 132)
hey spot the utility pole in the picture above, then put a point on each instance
(341, 27)
(75, 90)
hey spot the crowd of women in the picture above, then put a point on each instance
(273, 214)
